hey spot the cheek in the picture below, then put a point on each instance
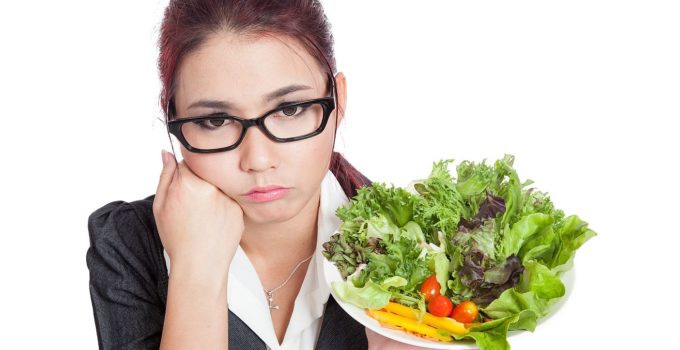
(309, 159)
(213, 168)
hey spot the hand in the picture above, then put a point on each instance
(200, 226)
(379, 342)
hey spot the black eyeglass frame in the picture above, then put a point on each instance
(175, 126)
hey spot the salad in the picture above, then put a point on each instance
(447, 258)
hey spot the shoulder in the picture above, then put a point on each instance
(123, 236)
(120, 215)
(122, 221)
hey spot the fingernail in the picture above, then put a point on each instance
(164, 156)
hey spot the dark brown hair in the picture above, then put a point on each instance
(187, 23)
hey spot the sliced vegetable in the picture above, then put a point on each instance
(407, 324)
(446, 323)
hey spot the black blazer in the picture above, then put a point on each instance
(129, 279)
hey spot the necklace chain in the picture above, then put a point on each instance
(270, 292)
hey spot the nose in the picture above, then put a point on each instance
(257, 151)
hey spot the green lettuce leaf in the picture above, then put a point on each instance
(441, 204)
(380, 227)
(571, 233)
(537, 290)
(401, 259)
(539, 279)
(439, 263)
(515, 237)
(493, 335)
(413, 232)
(394, 282)
(370, 296)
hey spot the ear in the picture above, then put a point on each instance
(341, 84)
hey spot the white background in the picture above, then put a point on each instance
(585, 94)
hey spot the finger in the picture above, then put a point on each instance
(166, 176)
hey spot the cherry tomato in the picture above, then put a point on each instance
(430, 288)
(440, 305)
(465, 312)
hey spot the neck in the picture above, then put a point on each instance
(293, 239)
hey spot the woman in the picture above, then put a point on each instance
(251, 91)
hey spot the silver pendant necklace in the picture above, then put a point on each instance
(270, 292)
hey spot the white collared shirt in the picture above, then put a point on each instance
(250, 302)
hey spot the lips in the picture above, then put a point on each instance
(267, 193)
(263, 189)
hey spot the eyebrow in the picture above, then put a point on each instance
(217, 104)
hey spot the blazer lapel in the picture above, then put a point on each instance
(339, 331)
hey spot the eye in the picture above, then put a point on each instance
(216, 122)
(289, 111)
(212, 124)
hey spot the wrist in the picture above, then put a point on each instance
(199, 273)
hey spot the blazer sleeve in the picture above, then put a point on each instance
(128, 310)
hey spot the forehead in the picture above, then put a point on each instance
(244, 68)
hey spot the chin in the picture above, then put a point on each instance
(269, 213)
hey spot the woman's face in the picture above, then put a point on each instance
(241, 71)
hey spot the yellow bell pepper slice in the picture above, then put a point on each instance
(407, 324)
(446, 323)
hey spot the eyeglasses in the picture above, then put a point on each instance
(219, 132)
